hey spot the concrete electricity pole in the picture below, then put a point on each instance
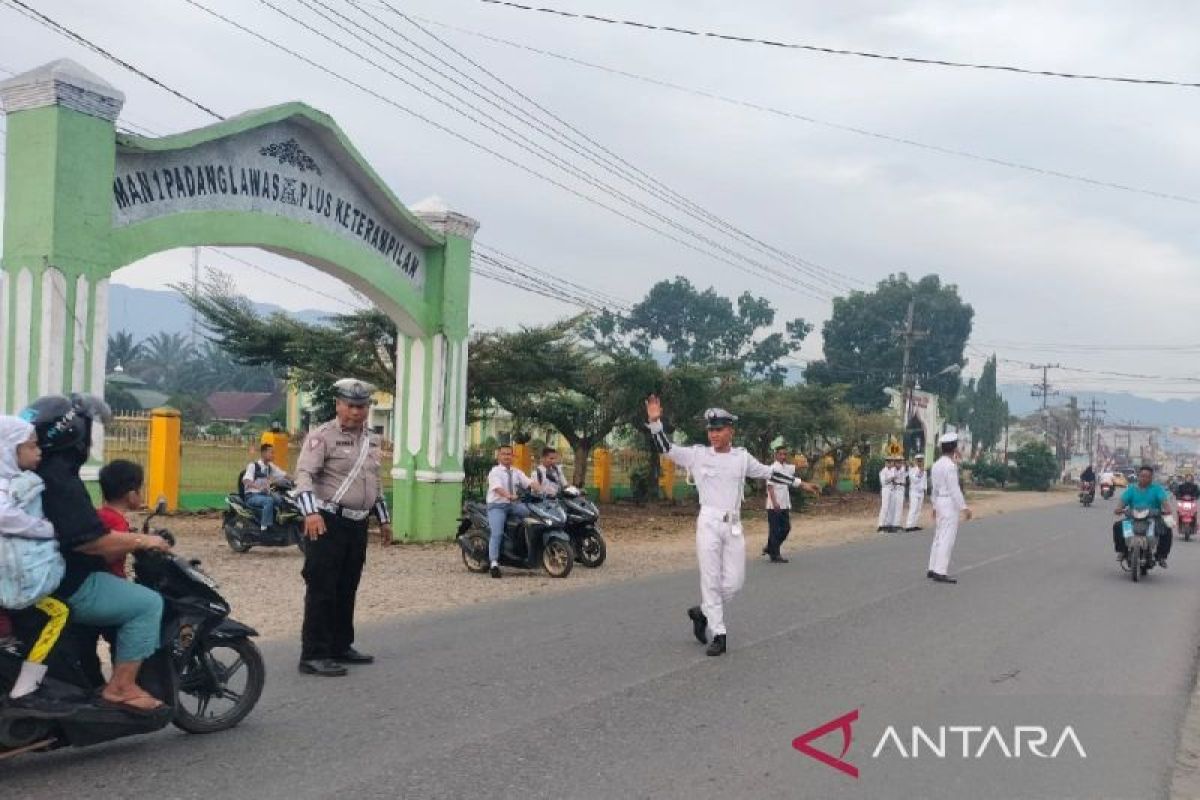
(1095, 412)
(906, 378)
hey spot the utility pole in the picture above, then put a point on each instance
(906, 379)
(1042, 389)
(1095, 412)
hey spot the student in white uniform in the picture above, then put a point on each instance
(719, 472)
(916, 492)
(891, 495)
(948, 503)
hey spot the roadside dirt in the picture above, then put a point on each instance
(266, 590)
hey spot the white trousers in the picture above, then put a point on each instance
(897, 506)
(945, 532)
(915, 501)
(889, 514)
(721, 553)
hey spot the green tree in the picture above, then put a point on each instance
(166, 360)
(989, 412)
(1036, 467)
(122, 351)
(864, 350)
(701, 329)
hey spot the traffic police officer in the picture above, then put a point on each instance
(719, 473)
(948, 503)
(337, 485)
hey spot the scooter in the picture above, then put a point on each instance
(1106, 491)
(1186, 507)
(209, 674)
(537, 540)
(582, 516)
(243, 531)
(1141, 540)
(1087, 493)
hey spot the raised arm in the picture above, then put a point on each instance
(757, 470)
(683, 456)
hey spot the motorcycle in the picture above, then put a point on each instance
(1106, 491)
(582, 516)
(538, 540)
(209, 674)
(1087, 493)
(1186, 507)
(242, 529)
(1141, 539)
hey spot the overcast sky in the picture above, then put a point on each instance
(1048, 264)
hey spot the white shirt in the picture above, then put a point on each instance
(944, 480)
(268, 472)
(1106, 477)
(719, 477)
(891, 478)
(781, 493)
(552, 480)
(510, 479)
(916, 480)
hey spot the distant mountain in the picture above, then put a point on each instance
(145, 312)
(1117, 405)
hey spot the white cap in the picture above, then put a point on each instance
(948, 438)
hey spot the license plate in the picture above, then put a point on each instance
(1127, 528)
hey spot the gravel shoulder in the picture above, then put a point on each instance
(266, 591)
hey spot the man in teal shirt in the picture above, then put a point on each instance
(1140, 496)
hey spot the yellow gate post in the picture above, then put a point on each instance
(279, 440)
(162, 460)
(602, 466)
(666, 478)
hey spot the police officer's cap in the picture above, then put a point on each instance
(353, 391)
(718, 418)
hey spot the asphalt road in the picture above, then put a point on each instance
(604, 693)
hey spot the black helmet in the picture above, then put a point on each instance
(65, 423)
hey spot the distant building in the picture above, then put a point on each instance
(119, 381)
(240, 407)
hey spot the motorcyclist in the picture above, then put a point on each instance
(1088, 475)
(95, 596)
(1188, 488)
(258, 480)
(1145, 494)
(549, 473)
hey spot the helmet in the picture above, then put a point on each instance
(65, 423)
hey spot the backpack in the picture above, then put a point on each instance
(259, 472)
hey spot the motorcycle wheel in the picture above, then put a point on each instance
(212, 675)
(1188, 530)
(557, 558)
(592, 550)
(475, 558)
(235, 541)
(1135, 561)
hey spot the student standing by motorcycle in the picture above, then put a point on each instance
(1145, 494)
(719, 472)
(337, 484)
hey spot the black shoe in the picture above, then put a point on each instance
(943, 578)
(881, 529)
(1162, 562)
(352, 656)
(324, 667)
(779, 560)
(699, 624)
(766, 552)
(35, 705)
(930, 574)
(495, 571)
(917, 528)
(717, 647)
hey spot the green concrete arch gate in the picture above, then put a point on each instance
(82, 201)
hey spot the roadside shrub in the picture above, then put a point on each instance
(870, 474)
(986, 472)
(476, 467)
(1036, 467)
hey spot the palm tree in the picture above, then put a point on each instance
(123, 351)
(165, 360)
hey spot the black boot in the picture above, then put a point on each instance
(718, 645)
(699, 624)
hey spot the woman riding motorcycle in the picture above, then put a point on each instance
(94, 595)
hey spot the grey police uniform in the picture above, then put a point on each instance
(337, 476)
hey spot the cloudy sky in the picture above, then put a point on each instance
(1053, 267)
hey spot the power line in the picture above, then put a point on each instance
(837, 51)
(61, 29)
(490, 150)
(531, 146)
(887, 137)
(621, 166)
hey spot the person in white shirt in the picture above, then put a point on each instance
(719, 473)
(505, 483)
(948, 503)
(257, 481)
(916, 492)
(891, 496)
(779, 505)
(549, 473)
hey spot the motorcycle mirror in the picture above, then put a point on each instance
(161, 506)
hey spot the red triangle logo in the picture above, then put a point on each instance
(843, 723)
